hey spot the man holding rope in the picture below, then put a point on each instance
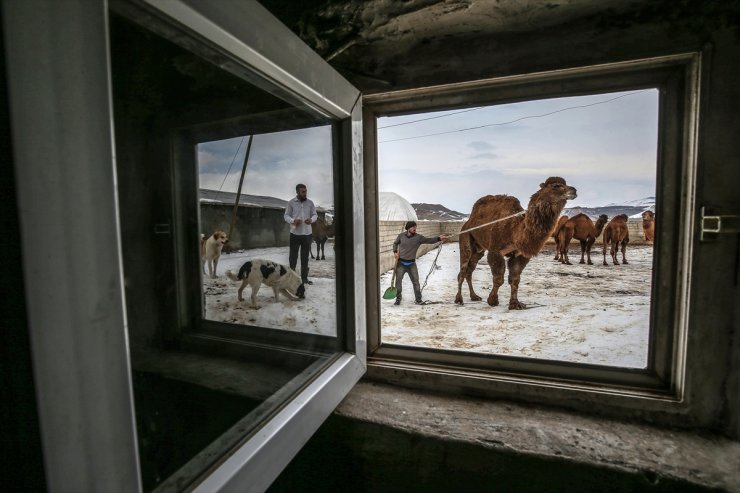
(404, 250)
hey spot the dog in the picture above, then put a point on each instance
(279, 277)
(210, 251)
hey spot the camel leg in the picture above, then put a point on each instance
(323, 244)
(557, 249)
(498, 267)
(613, 252)
(465, 254)
(565, 245)
(624, 249)
(589, 244)
(583, 252)
(605, 242)
(310, 249)
(516, 266)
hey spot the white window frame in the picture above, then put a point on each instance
(660, 388)
(59, 91)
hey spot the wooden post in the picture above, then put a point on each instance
(239, 190)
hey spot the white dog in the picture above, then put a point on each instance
(210, 251)
(279, 277)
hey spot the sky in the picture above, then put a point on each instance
(277, 163)
(604, 145)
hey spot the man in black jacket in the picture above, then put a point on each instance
(404, 250)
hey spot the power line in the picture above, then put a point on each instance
(517, 120)
(432, 118)
(232, 164)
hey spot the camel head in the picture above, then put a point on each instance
(648, 216)
(600, 223)
(554, 192)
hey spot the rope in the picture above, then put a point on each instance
(439, 250)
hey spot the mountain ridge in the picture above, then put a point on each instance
(632, 208)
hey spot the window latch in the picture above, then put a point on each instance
(715, 225)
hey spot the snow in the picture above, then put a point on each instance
(590, 314)
(315, 314)
(393, 207)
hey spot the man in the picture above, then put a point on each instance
(300, 214)
(404, 250)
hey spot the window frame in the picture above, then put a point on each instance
(661, 385)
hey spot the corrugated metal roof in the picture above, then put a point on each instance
(219, 197)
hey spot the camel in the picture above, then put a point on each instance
(554, 235)
(648, 225)
(519, 238)
(616, 232)
(583, 229)
(320, 232)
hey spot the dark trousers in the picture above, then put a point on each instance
(413, 272)
(302, 243)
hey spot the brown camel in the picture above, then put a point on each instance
(554, 235)
(648, 225)
(582, 229)
(518, 238)
(616, 232)
(320, 231)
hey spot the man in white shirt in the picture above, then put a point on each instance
(300, 213)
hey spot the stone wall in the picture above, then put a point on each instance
(389, 230)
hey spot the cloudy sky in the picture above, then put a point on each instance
(604, 145)
(277, 163)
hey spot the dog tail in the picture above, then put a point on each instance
(231, 275)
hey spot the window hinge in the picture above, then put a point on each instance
(714, 225)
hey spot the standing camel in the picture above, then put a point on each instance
(554, 235)
(320, 233)
(582, 228)
(616, 232)
(518, 238)
(648, 225)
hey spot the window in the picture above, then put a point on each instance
(668, 111)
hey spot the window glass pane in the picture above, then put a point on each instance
(208, 369)
(433, 167)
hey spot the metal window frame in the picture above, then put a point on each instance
(64, 155)
(659, 388)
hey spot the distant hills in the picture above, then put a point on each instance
(438, 212)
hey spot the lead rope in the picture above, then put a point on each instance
(439, 250)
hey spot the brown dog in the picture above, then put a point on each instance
(210, 251)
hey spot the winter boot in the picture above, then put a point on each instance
(398, 301)
(304, 275)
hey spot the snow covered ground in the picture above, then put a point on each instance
(580, 313)
(314, 314)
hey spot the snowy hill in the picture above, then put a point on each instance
(633, 208)
(437, 212)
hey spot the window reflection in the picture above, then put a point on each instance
(261, 173)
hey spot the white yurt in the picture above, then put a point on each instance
(393, 207)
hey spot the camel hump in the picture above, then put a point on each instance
(503, 203)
